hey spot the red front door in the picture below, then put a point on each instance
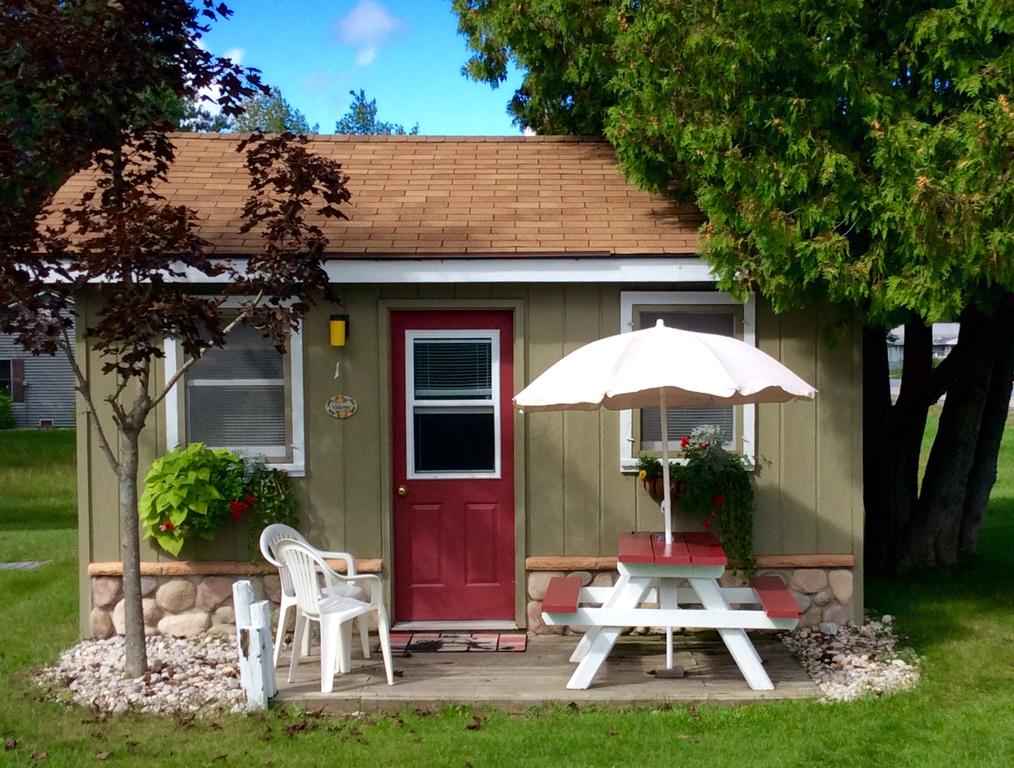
(453, 430)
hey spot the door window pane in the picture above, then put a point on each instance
(452, 402)
(454, 442)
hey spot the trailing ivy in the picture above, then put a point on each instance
(714, 483)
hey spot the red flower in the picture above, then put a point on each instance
(706, 523)
(235, 514)
(167, 526)
(703, 446)
(250, 499)
(719, 500)
(236, 508)
(684, 442)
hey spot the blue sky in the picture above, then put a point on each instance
(406, 55)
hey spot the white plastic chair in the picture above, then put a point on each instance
(334, 613)
(270, 536)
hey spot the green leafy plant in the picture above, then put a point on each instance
(6, 411)
(195, 490)
(187, 493)
(270, 499)
(714, 483)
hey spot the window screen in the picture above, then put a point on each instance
(683, 421)
(453, 409)
(236, 397)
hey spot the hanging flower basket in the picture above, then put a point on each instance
(653, 485)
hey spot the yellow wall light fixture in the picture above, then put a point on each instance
(339, 328)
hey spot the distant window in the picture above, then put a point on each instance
(46, 424)
(6, 383)
(239, 397)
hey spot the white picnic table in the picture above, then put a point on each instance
(681, 580)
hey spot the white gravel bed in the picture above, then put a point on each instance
(198, 676)
(847, 662)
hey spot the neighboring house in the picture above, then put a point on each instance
(945, 338)
(468, 267)
(41, 387)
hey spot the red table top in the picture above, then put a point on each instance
(687, 548)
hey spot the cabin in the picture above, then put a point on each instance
(467, 267)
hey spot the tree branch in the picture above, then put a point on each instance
(85, 389)
(188, 364)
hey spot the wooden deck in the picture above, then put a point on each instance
(517, 681)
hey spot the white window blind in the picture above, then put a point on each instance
(236, 397)
(683, 421)
(453, 370)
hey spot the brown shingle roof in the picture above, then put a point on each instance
(428, 195)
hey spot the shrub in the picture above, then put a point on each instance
(6, 411)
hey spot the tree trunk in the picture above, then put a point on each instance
(994, 419)
(876, 408)
(892, 441)
(931, 538)
(135, 652)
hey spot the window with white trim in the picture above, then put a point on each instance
(237, 397)
(452, 388)
(700, 311)
(245, 396)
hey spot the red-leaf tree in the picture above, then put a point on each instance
(85, 85)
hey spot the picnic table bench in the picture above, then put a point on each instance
(651, 571)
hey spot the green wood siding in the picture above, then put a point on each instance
(575, 499)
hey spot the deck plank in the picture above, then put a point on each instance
(517, 681)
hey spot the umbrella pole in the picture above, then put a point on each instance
(666, 511)
(666, 493)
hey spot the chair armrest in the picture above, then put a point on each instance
(350, 561)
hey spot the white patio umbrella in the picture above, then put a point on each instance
(663, 367)
(666, 367)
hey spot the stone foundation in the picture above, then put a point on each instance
(823, 594)
(181, 606)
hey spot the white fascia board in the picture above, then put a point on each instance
(613, 269)
(525, 270)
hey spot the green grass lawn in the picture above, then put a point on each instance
(961, 715)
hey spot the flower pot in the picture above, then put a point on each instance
(653, 485)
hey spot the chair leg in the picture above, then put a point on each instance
(364, 634)
(345, 643)
(329, 653)
(283, 615)
(385, 643)
(305, 650)
(297, 641)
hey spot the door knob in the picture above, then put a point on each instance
(402, 490)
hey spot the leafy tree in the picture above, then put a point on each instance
(271, 113)
(361, 119)
(195, 117)
(85, 84)
(851, 152)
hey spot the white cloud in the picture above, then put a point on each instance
(366, 27)
(236, 54)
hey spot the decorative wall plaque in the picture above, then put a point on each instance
(341, 406)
